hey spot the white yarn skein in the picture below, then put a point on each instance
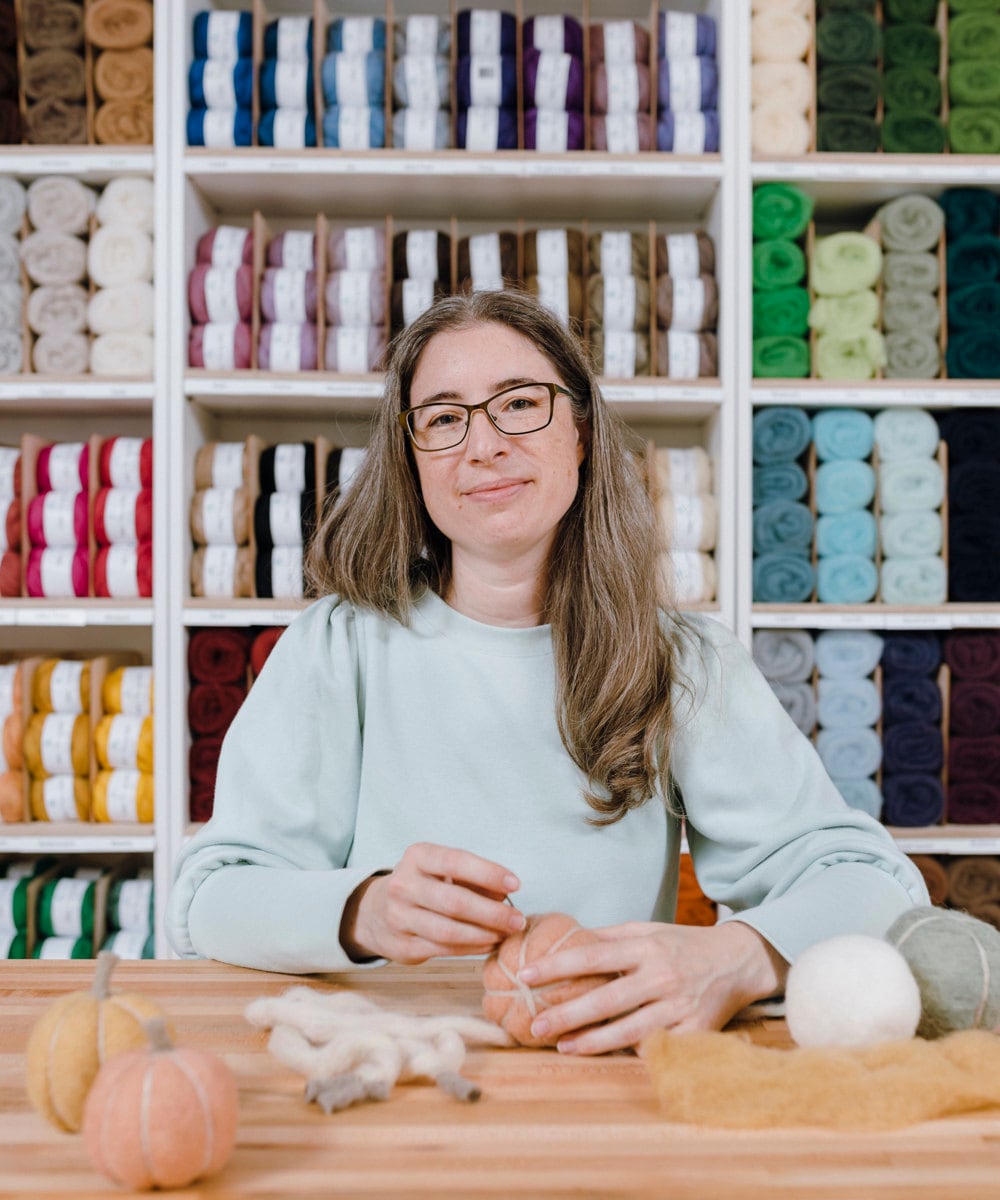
(852, 990)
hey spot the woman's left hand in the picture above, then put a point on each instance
(677, 977)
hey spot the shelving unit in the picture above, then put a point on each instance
(183, 407)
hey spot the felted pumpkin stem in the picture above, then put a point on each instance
(101, 987)
(156, 1031)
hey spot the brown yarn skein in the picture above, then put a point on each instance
(512, 1004)
(243, 576)
(596, 297)
(204, 476)
(706, 253)
(639, 247)
(242, 516)
(574, 252)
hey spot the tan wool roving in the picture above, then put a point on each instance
(161, 1116)
(512, 1004)
(75, 1036)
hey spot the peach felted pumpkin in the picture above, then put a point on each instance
(74, 1036)
(512, 1004)
(161, 1116)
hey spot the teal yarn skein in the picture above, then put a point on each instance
(955, 960)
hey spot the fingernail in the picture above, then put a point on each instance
(528, 974)
(516, 922)
(511, 883)
(565, 1047)
(539, 1027)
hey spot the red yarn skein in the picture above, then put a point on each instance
(52, 509)
(139, 528)
(126, 462)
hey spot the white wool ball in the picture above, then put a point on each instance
(851, 990)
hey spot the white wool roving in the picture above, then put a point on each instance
(350, 1049)
(851, 990)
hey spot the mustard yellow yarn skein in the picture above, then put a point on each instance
(140, 786)
(81, 799)
(115, 736)
(121, 682)
(73, 753)
(42, 698)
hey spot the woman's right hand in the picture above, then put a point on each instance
(438, 901)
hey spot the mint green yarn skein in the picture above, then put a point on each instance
(955, 960)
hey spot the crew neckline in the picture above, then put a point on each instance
(434, 615)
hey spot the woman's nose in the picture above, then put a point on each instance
(483, 440)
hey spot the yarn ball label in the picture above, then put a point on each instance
(421, 80)
(485, 80)
(122, 748)
(419, 128)
(553, 292)
(8, 465)
(8, 676)
(228, 246)
(689, 133)
(418, 296)
(482, 128)
(688, 310)
(619, 42)
(623, 88)
(552, 80)
(357, 35)
(352, 348)
(290, 467)
(682, 256)
(218, 129)
(64, 466)
(421, 254)
(119, 516)
(59, 798)
(135, 696)
(351, 460)
(484, 261)
(683, 355)
(685, 85)
(128, 944)
(57, 572)
(680, 35)
(66, 906)
(616, 252)
(689, 574)
(121, 802)
(354, 297)
(619, 302)
(421, 35)
(290, 128)
(352, 81)
(121, 571)
(285, 347)
(353, 128)
(297, 250)
(547, 34)
(218, 347)
(219, 571)
(682, 471)
(286, 572)
(227, 465)
(689, 520)
(293, 39)
(361, 245)
(622, 133)
(291, 79)
(64, 686)
(285, 519)
(221, 35)
(290, 296)
(7, 919)
(551, 131)
(217, 515)
(124, 462)
(619, 354)
(57, 947)
(135, 898)
(484, 32)
(218, 84)
(552, 252)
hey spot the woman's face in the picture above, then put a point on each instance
(494, 496)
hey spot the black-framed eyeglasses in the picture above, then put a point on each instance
(444, 424)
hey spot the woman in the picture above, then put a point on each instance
(489, 703)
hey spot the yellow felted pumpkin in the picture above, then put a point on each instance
(161, 1116)
(74, 1036)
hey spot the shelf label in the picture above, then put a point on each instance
(52, 616)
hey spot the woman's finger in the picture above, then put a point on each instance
(470, 907)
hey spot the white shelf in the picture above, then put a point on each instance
(888, 172)
(76, 613)
(93, 164)
(948, 839)
(872, 616)
(240, 613)
(103, 395)
(879, 393)
(66, 837)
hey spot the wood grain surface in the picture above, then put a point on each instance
(546, 1126)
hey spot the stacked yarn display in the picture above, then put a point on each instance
(54, 256)
(287, 98)
(221, 513)
(553, 269)
(284, 517)
(846, 533)
(973, 439)
(911, 491)
(123, 741)
(356, 299)
(353, 79)
(11, 745)
(912, 743)
(120, 265)
(786, 658)
(486, 81)
(221, 283)
(59, 560)
(618, 303)
(289, 303)
(421, 83)
(421, 274)
(911, 84)
(10, 532)
(15, 877)
(687, 84)
(780, 79)
(220, 80)
(130, 916)
(57, 741)
(53, 78)
(843, 272)
(687, 306)
(973, 83)
(553, 87)
(123, 519)
(342, 464)
(688, 519)
(781, 302)
(66, 911)
(10, 111)
(970, 883)
(912, 227)
(849, 39)
(620, 87)
(488, 261)
(124, 735)
(847, 709)
(121, 37)
(13, 204)
(974, 724)
(972, 217)
(782, 524)
(221, 665)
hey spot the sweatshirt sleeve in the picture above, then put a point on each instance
(264, 883)
(770, 835)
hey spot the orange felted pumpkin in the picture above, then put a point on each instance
(74, 1036)
(512, 1004)
(161, 1116)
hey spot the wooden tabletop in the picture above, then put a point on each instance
(546, 1126)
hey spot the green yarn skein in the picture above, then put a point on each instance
(955, 960)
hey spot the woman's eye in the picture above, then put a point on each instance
(520, 404)
(441, 420)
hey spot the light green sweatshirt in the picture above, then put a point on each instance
(362, 736)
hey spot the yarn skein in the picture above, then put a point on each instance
(955, 959)
(510, 1002)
